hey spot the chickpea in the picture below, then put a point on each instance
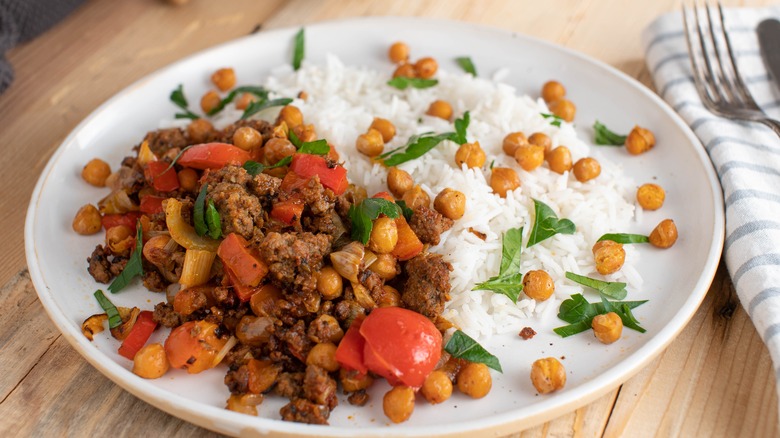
(276, 149)
(390, 297)
(639, 140)
(209, 101)
(470, 154)
(199, 130)
(95, 172)
(291, 115)
(329, 283)
(384, 235)
(247, 138)
(559, 159)
(552, 91)
(385, 127)
(564, 109)
(664, 235)
(244, 101)
(324, 356)
(398, 404)
(503, 180)
(440, 109)
(151, 362)
(650, 196)
(512, 141)
(188, 179)
(416, 197)
(548, 375)
(538, 285)
(586, 169)
(529, 156)
(609, 256)
(87, 220)
(352, 380)
(426, 67)
(437, 387)
(224, 78)
(370, 143)
(405, 71)
(542, 140)
(474, 380)
(607, 327)
(245, 403)
(399, 181)
(450, 203)
(385, 266)
(398, 53)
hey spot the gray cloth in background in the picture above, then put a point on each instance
(23, 20)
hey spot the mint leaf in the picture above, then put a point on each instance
(579, 313)
(615, 290)
(114, 320)
(547, 224)
(258, 91)
(259, 105)
(407, 212)
(625, 238)
(134, 266)
(467, 65)
(556, 120)
(213, 221)
(316, 147)
(605, 137)
(402, 82)
(511, 250)
(177, 97)
(462, 346)
(199, 212)
(299, 49)
(415, 148)
(362, 215)
(508, 285)
(460, 128)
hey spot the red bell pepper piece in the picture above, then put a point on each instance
(334, 178)
(139, 334)
(213, 156)
(152, 204)
(161, 175)
(236, 255)
(288, 211)
(409, 245)
(350, 350)
(128, 219)
(243, 292)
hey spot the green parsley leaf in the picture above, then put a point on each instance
(612, 289)
(508, 285)
(556, 120)
(402, 82)
(114, 320)
(258, 91)
(213, 221)
(509, 280)
(416, 147)
(407, 212)
(259, 105)
(299, 50)
(316, 147)
(134, 266)
(177, 97)
(547, 224)
(605, 137)
(625, 238)
(467, 65)
(462, 346)
(362, 214)
(199, 212)
(461, 125)
(579, 313)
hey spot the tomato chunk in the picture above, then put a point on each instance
(288, 211)
(127, 219)
(152, 204)
(236, 255)
(350, 350)
(243, 292)
(161, 175)
(142, 329)
(193, 346)
(213, 156)
(334, 178)
(409, 245)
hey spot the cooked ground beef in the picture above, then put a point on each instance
(154, 281)
(358, 398)
(427, 287)
(162, 140)
(239, 211)
(303, 411)
(296, 341)
(103, 266)
(289, 385)
(294, 258)
(166, 316)
(373, 282)
(319, 387)
(237, 380)
(428, 224)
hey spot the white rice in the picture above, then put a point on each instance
(342, 102)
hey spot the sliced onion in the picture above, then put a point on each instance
(118, 202)
(224, 351)
(171, 291)
(347, 260)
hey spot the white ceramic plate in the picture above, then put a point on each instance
(676, 280)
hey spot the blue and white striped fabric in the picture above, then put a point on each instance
(746, 157)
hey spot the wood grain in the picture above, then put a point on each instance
(716, 379)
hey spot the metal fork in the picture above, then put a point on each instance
(717, 80)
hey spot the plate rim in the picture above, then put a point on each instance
(214, 418)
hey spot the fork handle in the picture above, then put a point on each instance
(773, 124)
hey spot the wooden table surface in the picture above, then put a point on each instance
(716, 379)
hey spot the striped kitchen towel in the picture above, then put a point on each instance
(745, 155)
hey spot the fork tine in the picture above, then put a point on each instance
(728, 88)
(740, 84)
(698, 76)
(709, 74)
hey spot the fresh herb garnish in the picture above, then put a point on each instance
(213, 221)
(114, 320)
(492, 163)
(625, 238)
(259, 105)
(579, 313)
(556, 120)
(258, 91)
(254, 168)
(199, 212)
(605, 137)
(362, 214)
(177, 97)
(405, 210)
(316, 147)
(293, 137)
(299, 50)
(418, 145)
(509, 280)
(613, 289)
(134, 266)
(467, 65)
(547, 224)
(402, 82)
(462, 346)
